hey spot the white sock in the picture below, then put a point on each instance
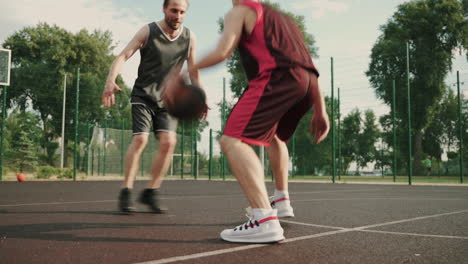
(260, 213)
(279, 194)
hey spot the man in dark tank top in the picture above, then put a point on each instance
(163, 45)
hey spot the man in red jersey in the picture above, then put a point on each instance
(282, 87)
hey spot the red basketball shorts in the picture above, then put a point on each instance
(273, 104)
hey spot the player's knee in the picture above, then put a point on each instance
(140, 141)
(226, 143)
(167, 142)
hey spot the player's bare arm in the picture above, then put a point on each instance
(193, 74)
(233, 25)
(319, 125)
(137, 42)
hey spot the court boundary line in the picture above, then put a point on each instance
(379, 198)
(56, 203)
(240, 195)
(169, 198)
(328, 233)
(413, 234)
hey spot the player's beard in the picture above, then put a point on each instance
(173, 23)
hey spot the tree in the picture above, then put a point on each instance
(42, 56)
(433, 29)
(350, 129)
(24, 138)
(310, 158)
(442, 130)
(367, 152)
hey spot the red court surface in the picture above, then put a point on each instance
(77, 222)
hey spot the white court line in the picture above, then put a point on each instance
(56, 203)
(177, 198)
(340, 191)
(203, 254)
(379, 198)
(107, 201)
(412, 234)
(342, 230)
(235, 195)
(410, 219)
(314, 225)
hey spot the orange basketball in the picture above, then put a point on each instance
(20, 177)
(186, 102)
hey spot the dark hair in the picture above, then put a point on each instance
(166, 2)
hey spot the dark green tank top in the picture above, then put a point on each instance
(158, 57)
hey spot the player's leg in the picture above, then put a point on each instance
(165, 130)
(162, 161)
(253, 120)
(141, 126)
(247, 169)
(264, 225)
(132, 158)
(278, 151)
(279, 159)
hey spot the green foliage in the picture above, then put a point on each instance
(368, 137)
(65, 173)
(434, 29)
(23, 137)
(45, 172)
(43, 54)
(310, 158)
(359, 136)
(442, 130)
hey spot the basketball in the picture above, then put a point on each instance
(186, 102)
(20, 177)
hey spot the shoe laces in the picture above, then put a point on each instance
(251, 223)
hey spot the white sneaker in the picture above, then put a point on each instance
(283, 205)
(266, 230)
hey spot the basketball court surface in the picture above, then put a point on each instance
(77, 222)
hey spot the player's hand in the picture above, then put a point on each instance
(319, 126)
(108, 98)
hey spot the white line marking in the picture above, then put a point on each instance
(56, 203)
(314, 225)
(342, 230)
(409, 220)
(412, 234)
(204, 254)
(339, 191)
(378, 198)
(105, 201)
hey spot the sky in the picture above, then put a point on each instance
(343, 29)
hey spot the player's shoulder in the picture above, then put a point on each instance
(239, 10)
(187, 32)
(192, 34)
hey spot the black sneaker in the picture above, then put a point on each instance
(125, 201)
(150, 197)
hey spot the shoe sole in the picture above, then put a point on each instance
(158, 211)
(287, 214)
(255, 240)
(127, 211)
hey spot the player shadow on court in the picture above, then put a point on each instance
(50, 231)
